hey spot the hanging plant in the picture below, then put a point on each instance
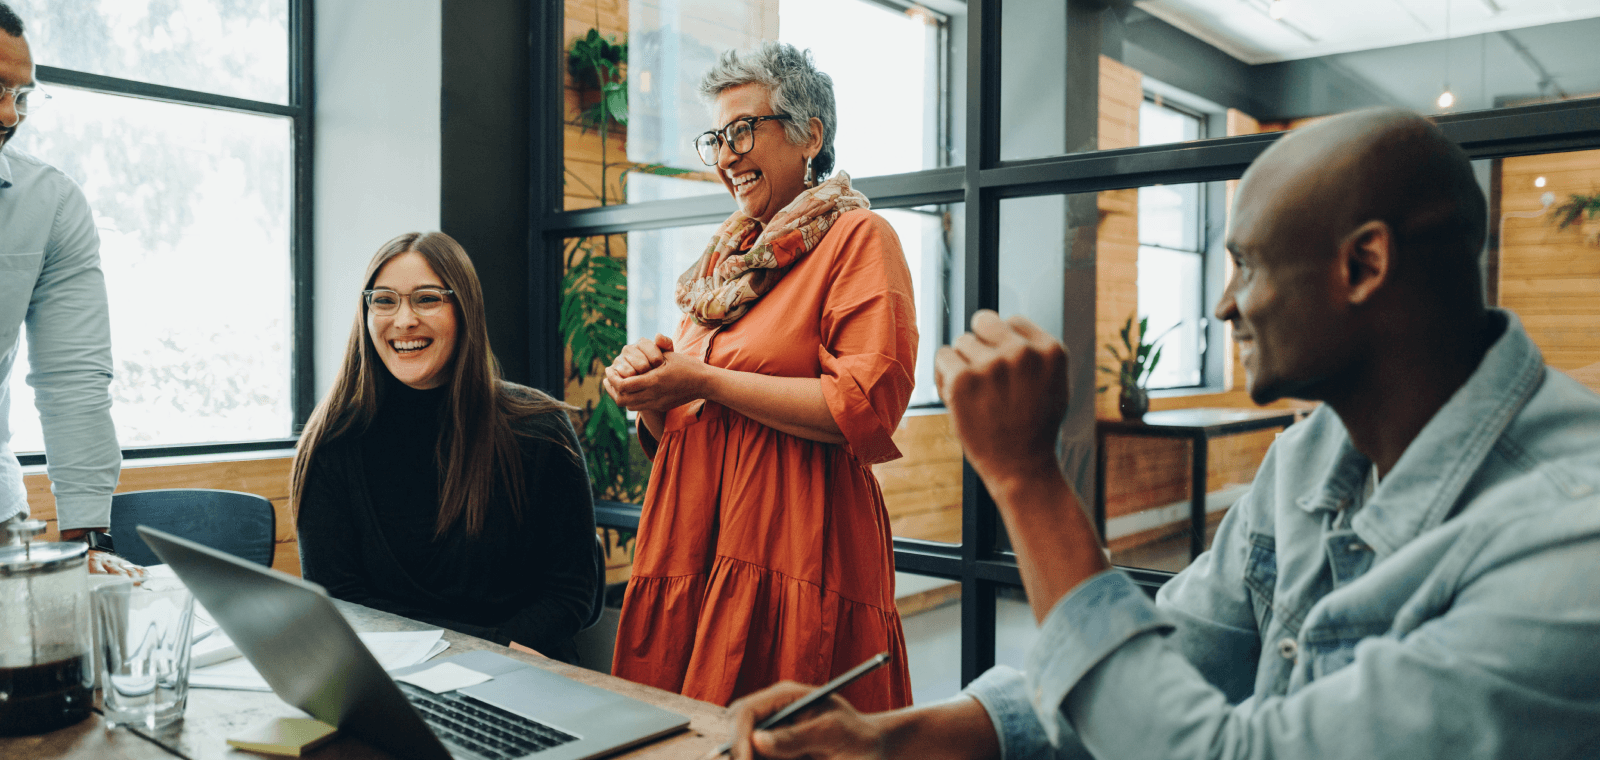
(1584, 211)
(595, 63)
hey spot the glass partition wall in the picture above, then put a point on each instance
(1073, 163)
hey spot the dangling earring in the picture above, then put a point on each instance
(811, 176)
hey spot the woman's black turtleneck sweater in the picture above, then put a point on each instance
(366, 529)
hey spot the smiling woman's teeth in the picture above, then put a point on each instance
(739, 183)
(403, 346)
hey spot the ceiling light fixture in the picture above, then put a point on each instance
(1446, 98)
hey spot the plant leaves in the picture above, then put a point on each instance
(594, 311)
(1151, 366)
(661, 170)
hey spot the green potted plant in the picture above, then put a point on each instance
(1584, 211)
(1136, 359)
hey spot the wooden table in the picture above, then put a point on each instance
(1198, 426)
(215, 714)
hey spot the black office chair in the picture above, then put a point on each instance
(241, 524)
(598, 604)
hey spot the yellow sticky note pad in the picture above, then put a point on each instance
(286, 736)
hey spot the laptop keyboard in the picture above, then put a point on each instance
(482, 728)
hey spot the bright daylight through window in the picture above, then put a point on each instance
(1172, 256)
(193, 207)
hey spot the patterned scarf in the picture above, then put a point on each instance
(723, 284)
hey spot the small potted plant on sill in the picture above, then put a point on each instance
(1135, 361)
(1584, 211)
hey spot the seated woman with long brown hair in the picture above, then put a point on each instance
(427, 486)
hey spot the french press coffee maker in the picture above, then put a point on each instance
(46, 676)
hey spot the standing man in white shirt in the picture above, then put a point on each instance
(50, 282)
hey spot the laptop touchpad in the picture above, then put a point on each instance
(543, 696)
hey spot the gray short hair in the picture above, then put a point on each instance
(796, 88)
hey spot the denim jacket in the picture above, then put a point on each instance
(1457, 616)
(50, 282)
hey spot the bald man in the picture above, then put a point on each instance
(1415, 572)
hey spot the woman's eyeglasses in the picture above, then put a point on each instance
(740, 134)
(424, 301)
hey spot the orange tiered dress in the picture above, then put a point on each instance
(763, 556)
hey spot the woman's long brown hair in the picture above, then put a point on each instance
(477, 445)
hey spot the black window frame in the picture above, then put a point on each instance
(979, 563)
(299, 109)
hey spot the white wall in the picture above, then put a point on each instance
(377, 148)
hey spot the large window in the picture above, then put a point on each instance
(186, 127)
(1172, 240)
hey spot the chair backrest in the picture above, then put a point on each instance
(241, 524)
(598, 604)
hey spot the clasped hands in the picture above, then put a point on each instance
(648, 376)
(1005, 386)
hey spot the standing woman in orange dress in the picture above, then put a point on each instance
(764, 550)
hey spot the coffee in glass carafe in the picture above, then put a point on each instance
(46, 678)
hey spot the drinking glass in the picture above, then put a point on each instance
(144, 646)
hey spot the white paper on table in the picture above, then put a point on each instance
(446, 676)
(202, 619)
(211, 650)
(393, 650)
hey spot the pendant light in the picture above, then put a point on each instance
(1446, 98)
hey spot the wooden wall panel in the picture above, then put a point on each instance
(1550, 277)
(266, 477)
(1143, 473)
(1121, 94)
(922, 490)
(608, 16)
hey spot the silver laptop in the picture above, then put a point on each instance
(292, 633)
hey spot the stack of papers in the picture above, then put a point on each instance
(215, 663)
(393, 650)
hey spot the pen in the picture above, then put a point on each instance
(817, 695)
(201, 636)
